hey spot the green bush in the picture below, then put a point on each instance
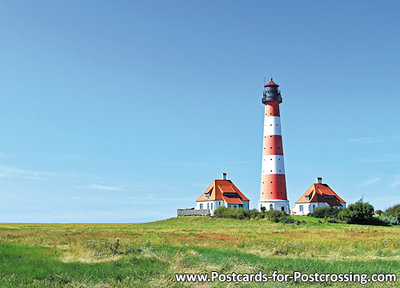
(234, 213)
(358, 213)
(271, 215)
(393, 211)
(222, 212)
(389, 220)
(279, 216)
(260, 215)
(254, 214)
(275, 215)
(323, 212)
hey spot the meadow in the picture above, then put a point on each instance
(149, 254)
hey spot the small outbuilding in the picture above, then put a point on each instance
(318, 195)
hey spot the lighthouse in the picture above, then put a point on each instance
(273, 183)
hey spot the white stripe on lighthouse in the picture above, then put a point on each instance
(272, 125)
(273, 164)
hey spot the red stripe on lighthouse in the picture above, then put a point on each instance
(273, 187)
(272, 145)
(272, 109)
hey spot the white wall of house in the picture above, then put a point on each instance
(245, 205)
(213, 205)
(303, 209)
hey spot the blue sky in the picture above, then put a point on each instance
(124, 111)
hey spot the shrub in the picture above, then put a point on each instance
(223, 212)
(279, 216)
(393, 211)
(322, 212)
(271, 215)
(389, 220)
(260, 215)
(241, 213)
(275, 215)
(357, 213)
(253, 214)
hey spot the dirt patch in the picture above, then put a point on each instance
(365, 235)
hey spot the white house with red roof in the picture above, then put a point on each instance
(318, 195)
(222, 193)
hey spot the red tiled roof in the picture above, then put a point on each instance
(321, 193)
(226, 189)
(233, 200)
(217, 189)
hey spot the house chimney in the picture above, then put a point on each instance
(319, 180)
(224, 176)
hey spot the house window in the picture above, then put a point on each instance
(271, 207)
(201, 206)
(301, 208)
(283, 208)
(313, 208)
(307, 198)
(212, 206)
(208, 205)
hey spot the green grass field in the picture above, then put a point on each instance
(148, 255)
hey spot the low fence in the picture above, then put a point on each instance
(193, 212)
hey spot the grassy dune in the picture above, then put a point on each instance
(148, 255)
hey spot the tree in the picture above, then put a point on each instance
(357, 213)
(393, 211)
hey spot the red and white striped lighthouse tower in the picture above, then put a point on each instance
(273, 184)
